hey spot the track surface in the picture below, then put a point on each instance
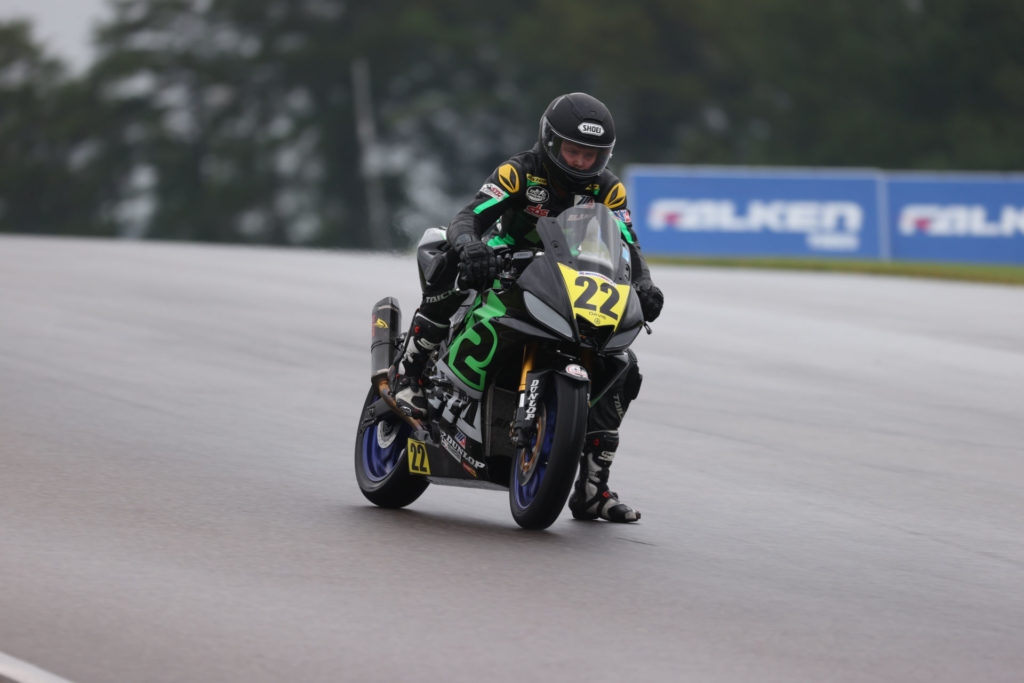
(831, 470)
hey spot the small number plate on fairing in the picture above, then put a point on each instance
(418, 462)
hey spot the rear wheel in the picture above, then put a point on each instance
(542, 475)
(381, 457)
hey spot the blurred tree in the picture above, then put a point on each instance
(50, 178)
(216, 139)
(655, 64)
(920, 84)
(964, 80)
(358, 124)
(241, 116)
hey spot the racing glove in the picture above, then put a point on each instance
(478, 264)
(651, 299)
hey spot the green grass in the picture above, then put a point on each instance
(1009, 275)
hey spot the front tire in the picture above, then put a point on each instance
(542, 475)
(381, 458)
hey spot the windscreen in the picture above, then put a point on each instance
(588, 238)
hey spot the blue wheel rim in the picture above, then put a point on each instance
(525, 493)
(383, 445)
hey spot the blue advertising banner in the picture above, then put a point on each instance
(859, 214)
(747, 212)
(969, 218)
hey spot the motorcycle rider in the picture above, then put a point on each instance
(566, 166)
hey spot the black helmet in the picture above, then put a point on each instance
(583, 120)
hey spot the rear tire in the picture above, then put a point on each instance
(381, 459)
(542, 475)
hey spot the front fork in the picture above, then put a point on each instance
(531, 388)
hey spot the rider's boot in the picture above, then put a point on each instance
(404, 377)
(590, 497)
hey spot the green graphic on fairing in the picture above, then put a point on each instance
(473, 349)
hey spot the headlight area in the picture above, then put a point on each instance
(547, 316)
(623, 338)
(593, 336)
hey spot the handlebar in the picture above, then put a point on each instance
(511, 264)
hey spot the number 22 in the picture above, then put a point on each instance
(590, 289)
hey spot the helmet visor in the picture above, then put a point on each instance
(575, 156)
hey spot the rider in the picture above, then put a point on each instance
(565, 167)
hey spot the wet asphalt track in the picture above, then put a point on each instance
(831, 470)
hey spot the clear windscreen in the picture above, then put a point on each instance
(588, 238)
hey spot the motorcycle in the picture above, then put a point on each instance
(509, 391)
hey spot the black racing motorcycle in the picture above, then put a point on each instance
(509, 391)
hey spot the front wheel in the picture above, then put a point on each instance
(543, 473)
(381, 457)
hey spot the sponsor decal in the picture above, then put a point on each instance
(537, 194)
(592, 188)
(493, 190)
(453, 447)
(616, 196)
(380, 324)
(532, 399)
(536, 211)
(597, 276)
(581, 200)
(827, 225)
(591, 128)
(535, 180)
(575, 215)
(960, 220)
(577, 371)
(623, 215)
(418, 462)
(509, 177)
(456, 448)
(434, 298)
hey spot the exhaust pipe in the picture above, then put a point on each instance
(385, 327)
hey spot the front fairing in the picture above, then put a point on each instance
(579, 285)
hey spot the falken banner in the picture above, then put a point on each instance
(855, 214)
(970, 218)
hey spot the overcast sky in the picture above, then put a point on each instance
(63, 26)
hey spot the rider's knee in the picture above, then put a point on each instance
(633, 380)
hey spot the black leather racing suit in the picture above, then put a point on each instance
(515, 195)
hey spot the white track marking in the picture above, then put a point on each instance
(23, 672)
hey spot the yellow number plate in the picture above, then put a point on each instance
(418, 462)
(594, 297)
